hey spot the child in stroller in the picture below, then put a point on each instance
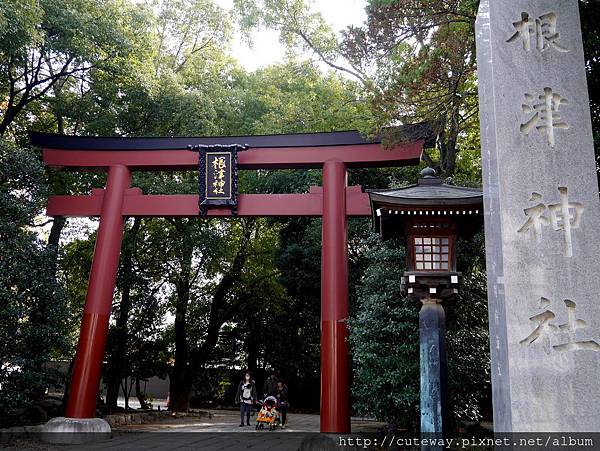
(268, 414)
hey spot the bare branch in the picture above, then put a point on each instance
(49, 221)
(327, 61)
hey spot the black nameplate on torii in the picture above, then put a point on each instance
(218, 175)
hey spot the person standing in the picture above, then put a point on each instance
(246, 397)
(270, 386)
(282, 401)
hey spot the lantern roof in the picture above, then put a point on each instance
(430, 199)
(430, 191)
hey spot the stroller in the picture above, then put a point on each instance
(268, 414)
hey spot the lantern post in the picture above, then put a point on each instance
(429, 217)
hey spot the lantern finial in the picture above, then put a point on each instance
(428, 172)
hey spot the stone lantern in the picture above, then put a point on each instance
(429, 217)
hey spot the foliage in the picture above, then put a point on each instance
(294, 98)
(386, 379)
(32, 306)
(136, 347)
(468, 351)
(213, 97)
(414, 60)
(422, 58)
(229, 286)
(296, 358)
(590, 15)
(49, 45)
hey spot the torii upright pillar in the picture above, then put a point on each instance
(335, 371)
(83, 392)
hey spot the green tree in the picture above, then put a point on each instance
(136, 349)
(293, 98)
(209, 290)
(50, 54)
(116, 67)
(32, 304)
(590, 15)
(422, 57)
(385, 316)
(46, 44)
(414, 59)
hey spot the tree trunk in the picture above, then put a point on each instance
(58, 225)
(65, 397)
(118, 361)
(9, 116)
(252, 347)
(448, 138)
(126, 391)
(180, 388)
(220, 312)
(57, 181)
(139, 395)
(453, 132)
(180, 381)
(57, 185)
(187, 364)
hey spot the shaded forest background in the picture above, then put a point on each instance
(201, 299)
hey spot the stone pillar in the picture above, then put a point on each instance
(542, 216)
(434, 370)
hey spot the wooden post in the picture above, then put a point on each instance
(94, 326)
(434, 370)
(335, 369)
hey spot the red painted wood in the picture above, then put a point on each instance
(357, 202)
(136, 204)
(88, 365)
(334, 202)
(335, 369)
(248, 205)
(335, 378)
(358, 155)
(74, 206)
(94, 327)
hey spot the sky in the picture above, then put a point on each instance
(266, 48)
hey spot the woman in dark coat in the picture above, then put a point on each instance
(282, 401)
(246, 397)
(270, 386)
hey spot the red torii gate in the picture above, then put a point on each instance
(333, 152)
